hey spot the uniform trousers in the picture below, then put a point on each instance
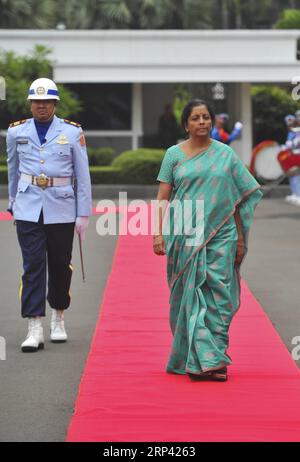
(295, 184)
(42, 246)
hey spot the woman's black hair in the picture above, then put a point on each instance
(190, 106)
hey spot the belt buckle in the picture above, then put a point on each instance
(42, 180)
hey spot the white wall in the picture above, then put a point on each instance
(164, 56)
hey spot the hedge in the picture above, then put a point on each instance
(106, 175)
(3, 160)
(101, 156)
(140, 166)
(3, 174)
(131, 167)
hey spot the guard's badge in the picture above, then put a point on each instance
(40, 91)
(82, 139)
(62, 139)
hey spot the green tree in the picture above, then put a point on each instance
(145, 14)
(27, 14)
(248, 14)
(19, 72)
(135, 14)
(270, 105)
(290, 19)
(181, 97)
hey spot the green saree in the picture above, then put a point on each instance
(203, 278)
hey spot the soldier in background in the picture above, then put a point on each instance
(220, 134)
(291, 142)
(45, 155)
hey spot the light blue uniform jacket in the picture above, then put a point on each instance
(60, 204)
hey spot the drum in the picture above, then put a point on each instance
(264, 162)
(289, 162)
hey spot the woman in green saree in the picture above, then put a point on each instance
(205, 240)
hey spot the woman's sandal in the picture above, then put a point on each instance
(200, 377)
(220, 375)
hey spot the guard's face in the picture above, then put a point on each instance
(199, 122)
(43, 109)
(219, 122)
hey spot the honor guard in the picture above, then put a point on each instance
(293, 144)
(49, 195)
(218, 132)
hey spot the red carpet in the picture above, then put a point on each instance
(125, 394)
(5, 216)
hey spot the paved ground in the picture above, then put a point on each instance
(37, 391)
(272, 267)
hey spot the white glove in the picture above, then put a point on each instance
(238, 126)
(81, 225)
(10, 207)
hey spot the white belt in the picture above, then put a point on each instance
(44, 181)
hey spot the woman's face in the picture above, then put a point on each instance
(199, 122)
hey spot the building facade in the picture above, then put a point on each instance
(126, 77)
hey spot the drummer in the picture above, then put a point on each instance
(293, 142)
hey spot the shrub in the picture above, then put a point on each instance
(105, 175)
(140, 166)
(270, 105)
(3, 174)
(3, 160)
(290, 19)
(100, 156)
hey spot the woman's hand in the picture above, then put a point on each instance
(240, 250)
(159, 245)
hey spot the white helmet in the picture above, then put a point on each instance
(43, 89)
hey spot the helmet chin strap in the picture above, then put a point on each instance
(53, 112)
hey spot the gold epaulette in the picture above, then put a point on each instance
(19, 122)
(72, 123)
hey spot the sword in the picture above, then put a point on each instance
(81, 258)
